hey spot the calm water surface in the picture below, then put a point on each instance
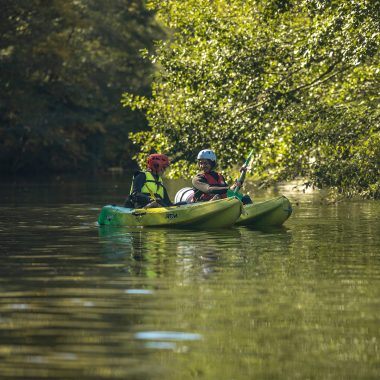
(83, 302)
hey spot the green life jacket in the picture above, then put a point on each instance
(152, 186)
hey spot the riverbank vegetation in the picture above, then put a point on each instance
(63, 68)
(296, 80)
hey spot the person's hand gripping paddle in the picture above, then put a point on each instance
(234, 192)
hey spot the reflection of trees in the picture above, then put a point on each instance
(153, 249)
(186, 255)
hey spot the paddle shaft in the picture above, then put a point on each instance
(243, 172)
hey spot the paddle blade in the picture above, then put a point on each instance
(232, 193)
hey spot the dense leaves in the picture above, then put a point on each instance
(297, 80)
(63, 68)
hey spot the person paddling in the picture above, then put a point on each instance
(147, 188)
(209, 184)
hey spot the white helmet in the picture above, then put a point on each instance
(184, 195)
(206, 154)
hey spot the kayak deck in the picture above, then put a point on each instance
(216, 214)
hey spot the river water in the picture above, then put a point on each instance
(83, 302)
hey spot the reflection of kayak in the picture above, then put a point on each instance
(272, 212)
(216, 214)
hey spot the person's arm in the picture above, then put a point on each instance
(201, 184)
(166, 199)
(138, 183)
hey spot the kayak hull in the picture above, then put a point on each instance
(221, 213)
(273, 212)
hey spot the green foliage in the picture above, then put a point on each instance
(63, 67)
(296, 80)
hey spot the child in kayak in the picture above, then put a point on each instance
(147, 188)
(209, 184)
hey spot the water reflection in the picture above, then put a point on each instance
(139, 291)
(167, 340)
(82, 302)
(151, 248)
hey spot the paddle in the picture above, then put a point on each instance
(235, 192)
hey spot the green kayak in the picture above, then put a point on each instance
(273, 212)
(216, 214)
